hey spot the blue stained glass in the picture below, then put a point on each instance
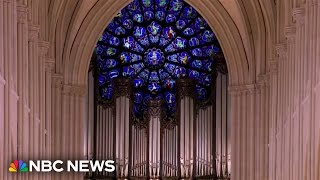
(193, 74)
(154, 58)
(180, 24)
(194, 42)
(170, 18)
(111, 51)
(170, 48)
(154, 28)
(180, 43)
(111, 63)
(155, 42)
(140, 32)
(170, 98)
(148, 15)
(129, 42)
(160, 15)
(114, 41)
(136, 57)
(207, 66)
(188, 32)
(137, 67)
(138, 98)
(138, 83)
(146, 3)
(154, 87)
(173, 58)
(104, 36)
(102, 79)
(208, 36)
(205, 79)
(154, 39)
(138, 18)
(100, 49)
(128, 72)
(163, 74)
(154, 76)
(125, 57)
(167, 36)
(169, 84)
(114, 73)
(162, 3)
(197, 64)
(189, 13)
(176, 6)
(128, 23)
(134, 7)
(200, 23)
(120, 31)
(180, 72)
(197, 52)
(183, 58)
(144, 74)
(170, 67)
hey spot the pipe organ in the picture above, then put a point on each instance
(193, 145)
(223, 133)
(154, 116)
(122, 121)
(169, 147)
(205, 158)
(139, 152)
(186, 126)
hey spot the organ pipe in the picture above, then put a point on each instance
(223, 151)
(186, 121)
(123, 87)
(185, 147)
(154, 115)
(169, 141)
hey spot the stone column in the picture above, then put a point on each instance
(8, 85)
(248, 138)
(2, 91)
(123, 90)
(56, 117)
(73, 130)
(23, 104)
(34, 121)
(43, 50)
(290, 33)
(273, 92)
(48, 138)
(186, 110)
(154, 116)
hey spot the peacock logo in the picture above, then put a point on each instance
(20, 166)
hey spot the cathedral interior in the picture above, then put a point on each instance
(157, 76)
(168, 89)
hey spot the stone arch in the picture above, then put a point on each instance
(77, 59)
(247, 95)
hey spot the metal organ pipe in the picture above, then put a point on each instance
(186, 126)
(222, 123)
(122, 100)
(159, 148)
(154, 115)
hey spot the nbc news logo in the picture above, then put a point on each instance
(18, 165)
(58, 166)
